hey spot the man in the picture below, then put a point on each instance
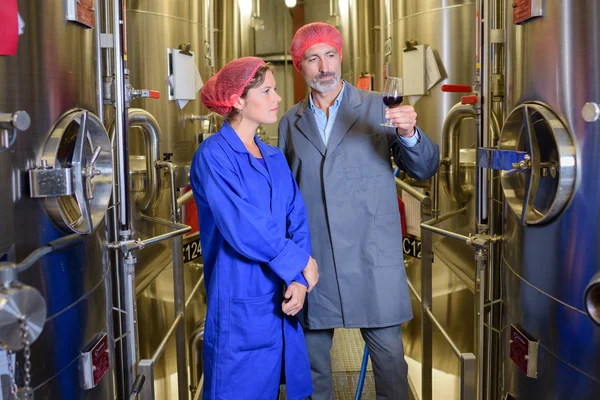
(340, 156)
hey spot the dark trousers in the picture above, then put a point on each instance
(387, 357)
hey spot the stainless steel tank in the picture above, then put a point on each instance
(152, 29)
(53, 79)
(449, 29)
(364, 19)
(550, 245)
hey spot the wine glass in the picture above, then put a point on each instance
(393, 94)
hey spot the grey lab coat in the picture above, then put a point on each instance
(350, 196)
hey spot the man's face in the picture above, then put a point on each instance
(321, 67)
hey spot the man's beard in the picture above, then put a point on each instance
(316, 84)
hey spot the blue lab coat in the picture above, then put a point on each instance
(255, 238)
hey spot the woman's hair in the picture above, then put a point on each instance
(257, 80)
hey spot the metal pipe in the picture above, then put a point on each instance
(256, 8)
(211, 34)
(485, 97)
(412, 289)
(199, 388)
(444, 217)
(457, 191)
(180, 342)
(163, 344)
(426, 304)
(127, 262)
(152, 134)
(445, 334)
(166, 222)
(493, 318)
(422, 198)
(196, 356)
(185, 198)
(121, 118)
(481, 259)
(194, 290)
(237, 23)
(178, 291)
(445, 233)
(107, 11)
(435, 210)
(166, 236)
(130, 326)
(98, 51)
(174, 208)
(286, 14)
(113, 236)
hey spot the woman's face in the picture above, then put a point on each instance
(261, 103)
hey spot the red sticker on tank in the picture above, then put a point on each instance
(85, 12)
(525, 9)
(100, 359)
(9, 27)
(519, 349)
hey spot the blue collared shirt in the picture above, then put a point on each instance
(325, 124)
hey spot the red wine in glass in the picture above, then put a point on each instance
(393, 94)
(392, 101)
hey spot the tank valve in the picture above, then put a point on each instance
(142, 93)
(471, 99)
(10, 124)
(22, 308)
(590, 112)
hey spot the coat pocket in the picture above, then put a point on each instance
(253, 323)
(388, 232)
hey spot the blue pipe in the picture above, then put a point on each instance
(363, 373)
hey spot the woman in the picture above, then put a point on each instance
(255, 240)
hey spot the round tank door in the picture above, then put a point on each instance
(540, 186)
(75, 171)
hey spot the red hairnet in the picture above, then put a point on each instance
(220, 92)
(311, 34)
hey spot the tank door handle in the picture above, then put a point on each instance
(533, 149)
(79, 167)
(502, 160)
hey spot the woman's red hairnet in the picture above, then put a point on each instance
(220, 92)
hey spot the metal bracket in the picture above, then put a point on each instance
(127, 246)
(207, 51)
(106, 41)
(503, 160)
(387, 47)
(50, 182)
(480, 240)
